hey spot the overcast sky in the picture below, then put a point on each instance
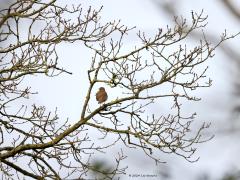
(217, 155)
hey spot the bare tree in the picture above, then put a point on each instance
(35, 144)
(171, 9)
(230, 128)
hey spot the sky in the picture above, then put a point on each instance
(216, 156)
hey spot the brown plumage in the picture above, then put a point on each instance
(101, 95)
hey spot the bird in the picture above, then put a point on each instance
(101, 95)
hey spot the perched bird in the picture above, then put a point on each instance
(101, 95)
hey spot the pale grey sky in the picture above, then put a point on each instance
(217, 155)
